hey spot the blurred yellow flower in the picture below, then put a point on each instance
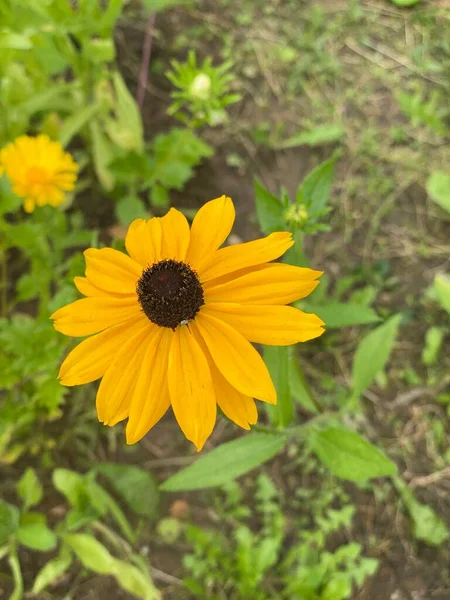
(39, 170)
(172, 322)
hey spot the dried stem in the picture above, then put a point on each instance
(145, 62)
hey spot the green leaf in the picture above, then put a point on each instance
(158, 5)
(299, 388)
(126, 130)
(269, 209)
(9, 202)
(342, 314)
(73, 124)
(323, 134)
(277, 361)
(405, 2)
(137, 487)
(9, 520)
(428, 527)
(52, 571)
(91, 553)
(69, 483)
(99, 50)
(159, 196)
(226, 462)
(102, 154)
(441, 287)
(314, 191)
(373, 354)
(433, 341)
(348, 455)
(130, 208)
(106, 503)
(438, 188)
(175, 155)
(36, 536)
(15, 41)
(30, 489)
(133, 580)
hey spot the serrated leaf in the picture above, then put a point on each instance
(373, 354)
(137, 487)
(30, 489)
(269, 209)
(227, 462)
(52, 571)
(343, 314)
(348, 455)
(438, 188)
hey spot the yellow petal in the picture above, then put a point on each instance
(91, 315)
(210, 228)
(89, 360)
(274, 283)
(271, 325)
(191, 388)
(236, 406)
(240, 256)
(28, 204)
(140, 244)
(85, 287)
(239, 408)
(155, 232)
(236, 359)
(175, 235)
(150, 399)
(118, 383)
(112, 270)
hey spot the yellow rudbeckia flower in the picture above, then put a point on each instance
(39, 170)
(172, 322)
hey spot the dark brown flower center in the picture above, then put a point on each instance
(170, 293)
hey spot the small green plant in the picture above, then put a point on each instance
(421, 111)
(90, 508)
(248, 563)
(203, 91)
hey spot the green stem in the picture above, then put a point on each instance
(265, 429)
(299, 430)
(308, 390)
(122, 546)
(3, 284)
(17, 576)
